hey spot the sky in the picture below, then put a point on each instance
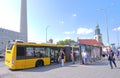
(64, 19)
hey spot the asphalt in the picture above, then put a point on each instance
(98, 69)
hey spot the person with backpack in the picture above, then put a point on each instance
(111, 58)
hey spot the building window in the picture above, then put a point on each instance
(2, 42)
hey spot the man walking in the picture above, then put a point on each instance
(111, 58)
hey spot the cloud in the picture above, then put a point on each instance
(85, 38)
(67, 38)
(72, 32)
(61, 22)
(84, 30)
(55, 40)
(67, 32)
(112, 4)
(74, 15)
(116, 29)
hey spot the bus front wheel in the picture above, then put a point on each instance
(39, 63)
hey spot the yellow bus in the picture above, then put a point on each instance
(22, 55)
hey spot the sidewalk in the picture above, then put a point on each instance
(2, 59)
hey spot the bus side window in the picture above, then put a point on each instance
(47, 52)
(38, 52)
(20, 52)
(42, 52)
(29, 52)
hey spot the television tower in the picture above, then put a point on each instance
(23, 20)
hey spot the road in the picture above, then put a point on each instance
(100, 69)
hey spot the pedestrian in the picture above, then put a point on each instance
(111, 58)
(85, 56)
(62, 57)
(59, 58)
(117, 53)
(77, 55)
(72, 57)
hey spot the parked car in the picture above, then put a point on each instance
(2, 55)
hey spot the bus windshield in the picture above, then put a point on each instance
(10, 45)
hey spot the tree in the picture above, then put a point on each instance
(61, 42)
(66, 42)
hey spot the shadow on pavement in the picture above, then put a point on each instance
(73, 66)
(67, 64)
(58, 66)
(99, 63)
(118, 68)
(48, 68)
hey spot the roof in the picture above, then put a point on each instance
(39, 44)
(90, 42)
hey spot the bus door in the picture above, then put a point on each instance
(67, 53)
(54, 55)
(20, 57)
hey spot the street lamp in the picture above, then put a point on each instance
(46, 33)
(105, 12)
(117, 38)
(117, 35)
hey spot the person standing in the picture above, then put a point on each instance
(117, 53)
(62, 57)
(85, 56)
(72, 57)
(111, 58)
(59, 58)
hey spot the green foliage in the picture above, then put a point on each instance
(65, 42)
(61, 42)
(0, 52)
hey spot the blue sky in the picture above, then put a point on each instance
(64, 18)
